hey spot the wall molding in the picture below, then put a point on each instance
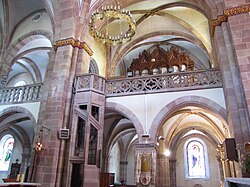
(227, 13)
(74, 43)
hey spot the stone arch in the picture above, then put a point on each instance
(28, 37)
(181, 102)
(18, 132)
(21, 55)
(119, 55)
(208, 7)
(111, 142)
(12, 51)
(35, 69)
(128, 114)
(17, 109)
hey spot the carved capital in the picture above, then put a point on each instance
(237, 10)
(227, 13)
(73, 43)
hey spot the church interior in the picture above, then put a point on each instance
(101, 93)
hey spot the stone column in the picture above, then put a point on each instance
(240, 32)
(105, 164)
(53, 118)
(25, 162)
(172, 172)
(56, 102)
(163, 171)
(145, 170)
(234, 96)
(221, 168)
(224, 163)
(123, 170)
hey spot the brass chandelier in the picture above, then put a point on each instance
(111, 13)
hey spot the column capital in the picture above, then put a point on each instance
(146, 146)
(74, 43)
(227, 13)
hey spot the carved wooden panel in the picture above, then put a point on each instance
(155, 62)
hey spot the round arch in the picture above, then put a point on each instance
(117, 58)
(7, 127)
(13, 50)
(16, 109)
(185, 101)
(128, 114)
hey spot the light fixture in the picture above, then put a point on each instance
(109, 13)
(38, 147)
(161, 138)
(167, 152)
(38, 144)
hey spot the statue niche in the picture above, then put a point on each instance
(160, 61)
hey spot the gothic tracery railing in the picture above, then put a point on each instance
(147, 84)
(127, 86)
(90, 82)
(27, 93)
(165, 82)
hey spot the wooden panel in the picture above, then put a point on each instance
(107, 179)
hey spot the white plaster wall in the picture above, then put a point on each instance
(114, 162)
(32, 107)
(146, 107)
(214, 173)
(99, 54)
(131, 166)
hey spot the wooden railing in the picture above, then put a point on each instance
(27, 93)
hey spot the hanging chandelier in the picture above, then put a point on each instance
(109, 14)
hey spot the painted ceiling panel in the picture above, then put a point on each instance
(27, 65)
(15, 69)
(194, 19)
(30, 24)
(20, 9)
(41, 58)
(148, 5)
